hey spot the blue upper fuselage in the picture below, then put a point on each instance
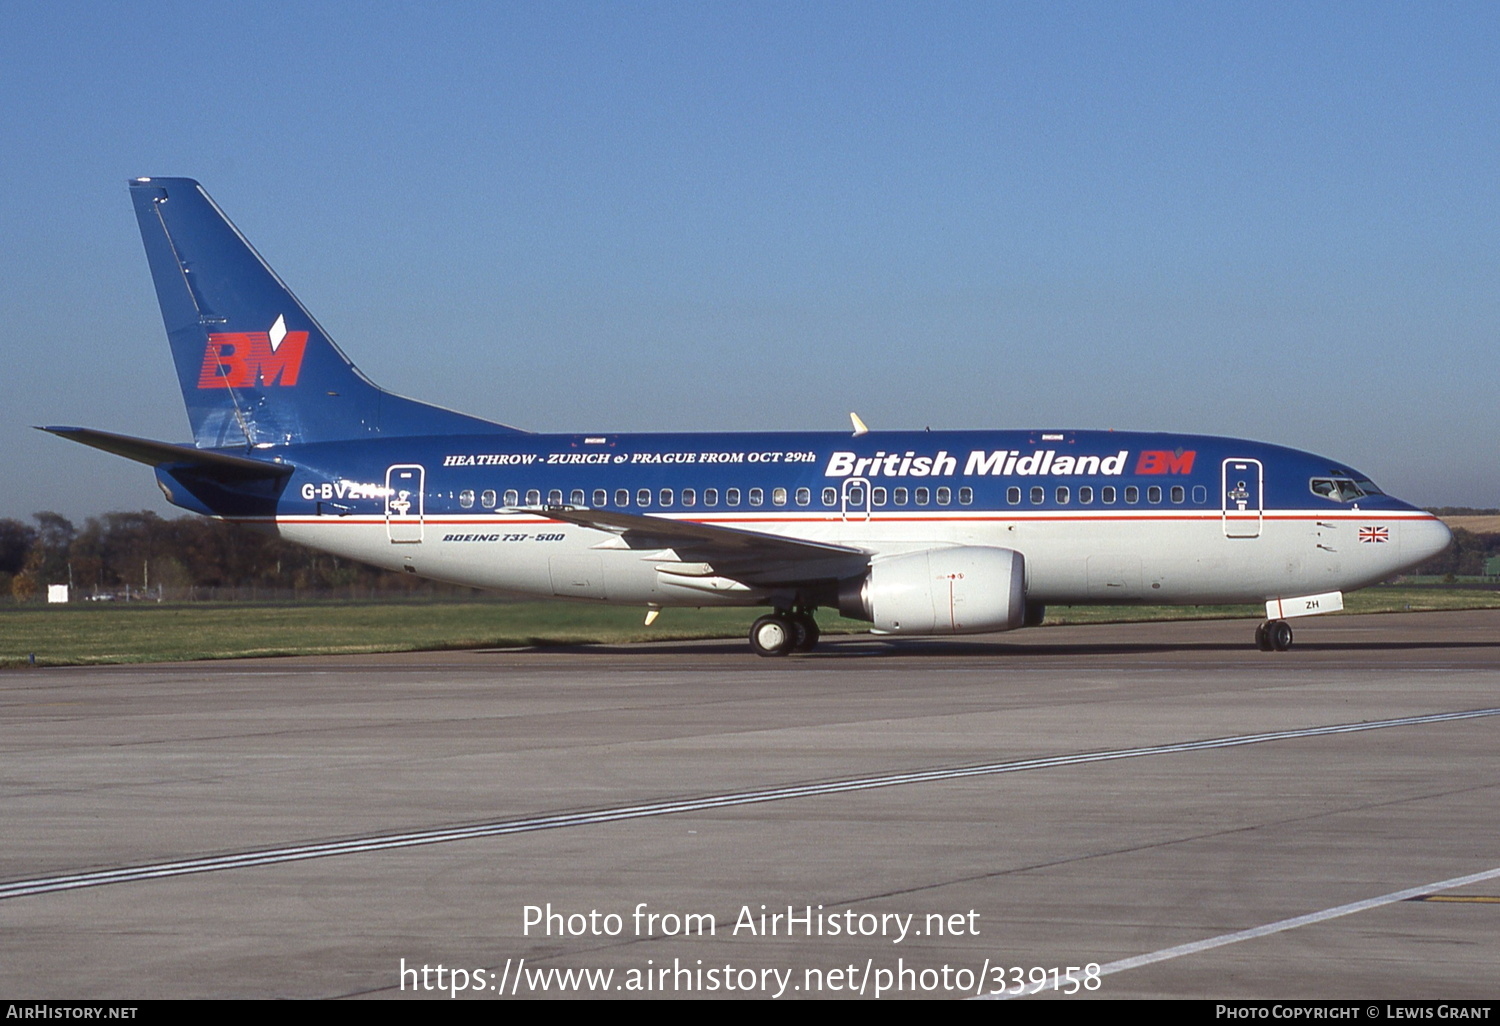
(701, 473)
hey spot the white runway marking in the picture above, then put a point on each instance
(440, 835)
(1282, 925)
(1291, 924)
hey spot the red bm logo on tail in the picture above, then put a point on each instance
(252, 359)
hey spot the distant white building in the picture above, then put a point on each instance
(57, 593)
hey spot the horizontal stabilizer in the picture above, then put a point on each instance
(168, 454)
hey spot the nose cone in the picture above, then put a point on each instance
(1423, 539)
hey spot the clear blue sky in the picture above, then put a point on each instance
(1276, 221)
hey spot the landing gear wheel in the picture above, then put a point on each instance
(772, 635)
(1279, 633)
(1263, 637)
(806, 629)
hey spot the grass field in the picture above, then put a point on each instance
(1380, 599)
(145, 632)
(1482, 524)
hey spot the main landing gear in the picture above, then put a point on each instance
(1273, 636)
(783, 632)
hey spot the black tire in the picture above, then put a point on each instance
(1280, 634)
(1263, 637)
(807, 632)
(772, 635)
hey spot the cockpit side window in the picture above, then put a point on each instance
(1342, 489)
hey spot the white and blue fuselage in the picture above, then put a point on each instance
(1098, 516)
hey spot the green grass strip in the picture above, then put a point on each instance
(143, 632)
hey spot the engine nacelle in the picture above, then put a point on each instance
(962, 590)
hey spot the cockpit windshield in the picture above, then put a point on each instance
(1343, 489)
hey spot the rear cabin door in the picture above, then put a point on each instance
(404, 492)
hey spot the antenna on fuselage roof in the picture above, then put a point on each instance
(859, 425)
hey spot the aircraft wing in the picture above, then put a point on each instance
(745, 555)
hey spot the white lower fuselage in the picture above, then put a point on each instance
(1179, 557)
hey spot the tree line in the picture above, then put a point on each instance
(139, 554)
(1465, 557)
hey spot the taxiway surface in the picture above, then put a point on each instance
(1040, 800)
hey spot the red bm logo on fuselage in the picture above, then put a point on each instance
(1164, 461)
(253, 359)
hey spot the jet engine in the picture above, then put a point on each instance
(961, 590)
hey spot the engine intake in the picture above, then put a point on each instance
(960, 590)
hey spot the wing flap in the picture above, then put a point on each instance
(728, 551)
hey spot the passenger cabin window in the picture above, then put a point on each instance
(877, 496)
(856, 496)
(966, 496)
(1085, 494)
(643, 497)
(830, 496)
(665, 495)
(512, 497)
(533, 497)
(710, 496)
(902, 497)
(757, 496)
(804, 496)
(731, 497)
(1062, 495)
(622, 496)
(689, 496)
(1013, 495)
(600, 497)
(554, 497)
(1107, 493)
(1179, 494)
(1038, 495)
(1153, 494)
(487, 500)
(466, 498)
(778, 496)
(1132, 494)
(576, 498)
(923, 496)
(944, 496)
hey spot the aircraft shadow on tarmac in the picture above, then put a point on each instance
(857, 647)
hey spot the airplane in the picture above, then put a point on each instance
(918, 533)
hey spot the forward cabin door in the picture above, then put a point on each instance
(404, 492)
(1244, 498)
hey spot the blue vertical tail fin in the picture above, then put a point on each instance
(256, 369)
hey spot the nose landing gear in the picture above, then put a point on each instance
(1273, 636)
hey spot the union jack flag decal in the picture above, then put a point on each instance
(1376, 535)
